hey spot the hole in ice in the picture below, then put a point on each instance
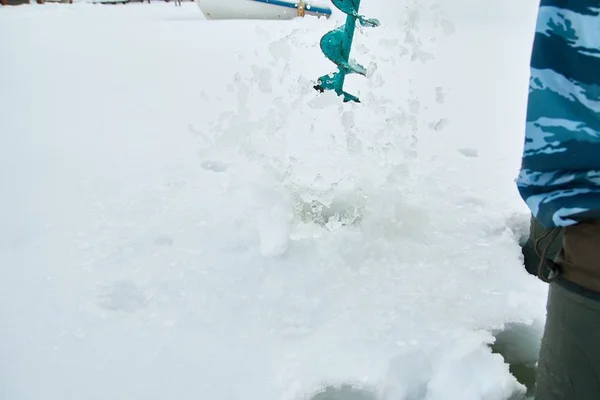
(519, 345)
(123, 296)
(468, 152)
(164, 240)
(341, 211)
(344, 392)
(215, 166)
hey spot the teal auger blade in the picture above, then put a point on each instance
(329, 82)
(332, 50)
(347, 6)
(336, 46)
(368, 22)
(350, 7)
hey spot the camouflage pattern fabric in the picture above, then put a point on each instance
(560, 172)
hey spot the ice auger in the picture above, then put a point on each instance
(336, 46)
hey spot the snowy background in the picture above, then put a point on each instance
(183, 217)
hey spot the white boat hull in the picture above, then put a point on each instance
(259, 9)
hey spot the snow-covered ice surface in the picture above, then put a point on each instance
(184, 217)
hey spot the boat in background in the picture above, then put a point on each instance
(261, 9)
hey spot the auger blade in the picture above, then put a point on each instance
(327, 82)
(356, 68)
(331, 45)
(347, 6)
(350, 97)
(351, 7)
(336, 46)
(330, 82)
(368, 22)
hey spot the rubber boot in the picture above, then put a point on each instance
(569, 364)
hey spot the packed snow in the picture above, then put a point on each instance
(184, 217)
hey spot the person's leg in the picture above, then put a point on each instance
(569, 363)
(547, 240)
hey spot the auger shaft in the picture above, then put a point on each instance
(349, 29)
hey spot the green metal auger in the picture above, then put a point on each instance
(336, 46)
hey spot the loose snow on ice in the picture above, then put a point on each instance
(184, 217)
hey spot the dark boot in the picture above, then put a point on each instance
(569, 364)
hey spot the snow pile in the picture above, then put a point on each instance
(187, 218)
